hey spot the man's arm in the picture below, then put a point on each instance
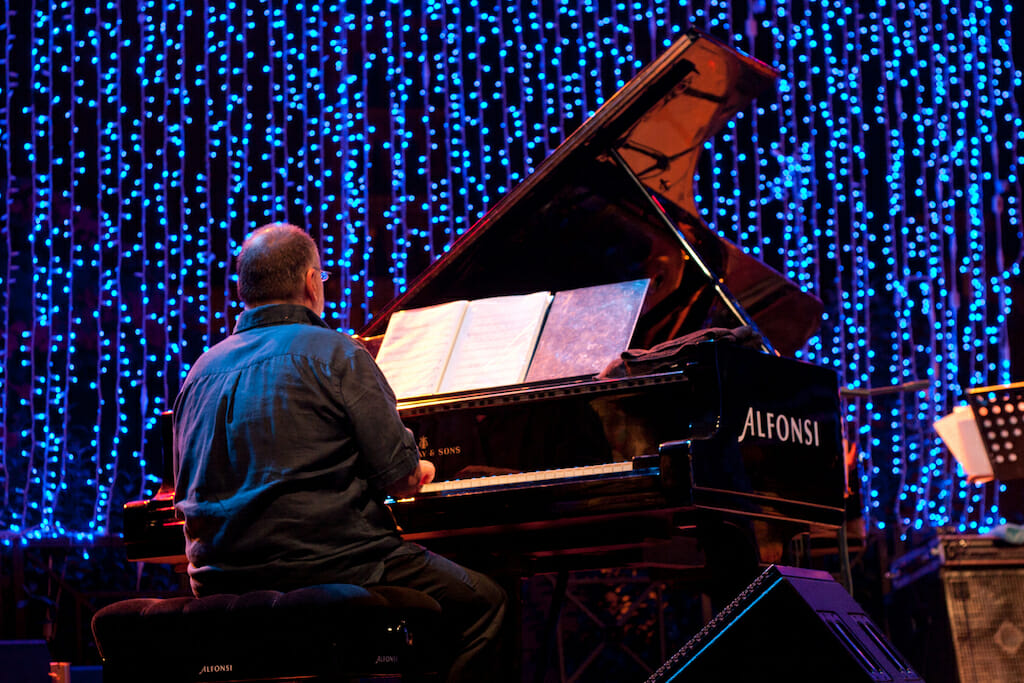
(385, 443)
(410, 486)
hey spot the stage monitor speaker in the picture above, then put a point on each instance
(788, 625)
(983, 583)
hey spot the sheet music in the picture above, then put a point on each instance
(496, 342)
(417, 345)
(959, 431)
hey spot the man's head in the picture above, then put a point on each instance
(279, 263)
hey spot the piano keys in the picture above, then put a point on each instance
(517, 479)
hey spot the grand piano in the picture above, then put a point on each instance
(730, 435)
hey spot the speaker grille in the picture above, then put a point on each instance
(986, 619)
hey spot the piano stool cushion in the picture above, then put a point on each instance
(338, 632)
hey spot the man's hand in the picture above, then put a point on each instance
(410, 486)
(427, 472)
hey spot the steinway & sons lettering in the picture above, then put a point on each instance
(779, 427)
(427, 452)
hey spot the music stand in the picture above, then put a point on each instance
(999, 414)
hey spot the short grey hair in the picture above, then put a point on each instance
(273, 262)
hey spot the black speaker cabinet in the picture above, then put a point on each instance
(983, 583)
(788, 625)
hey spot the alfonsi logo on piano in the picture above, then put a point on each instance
(782, 428)
(216, 668)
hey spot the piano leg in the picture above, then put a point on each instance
(550, 633)
(737, 550)
(731, 555)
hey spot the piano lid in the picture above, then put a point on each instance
(615, 202)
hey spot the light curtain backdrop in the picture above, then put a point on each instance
(140, 141)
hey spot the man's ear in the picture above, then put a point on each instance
(309, 288)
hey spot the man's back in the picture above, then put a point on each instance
(286, 436)
(284, 442)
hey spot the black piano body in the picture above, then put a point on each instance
(728, 432)
(609, 468)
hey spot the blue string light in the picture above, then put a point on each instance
(140, 146)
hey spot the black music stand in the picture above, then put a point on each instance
(999, 414)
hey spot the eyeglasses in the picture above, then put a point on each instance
(324, 275)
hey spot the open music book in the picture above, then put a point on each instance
(462, 345)
(495, 342)
(498, 341)
(417, 345)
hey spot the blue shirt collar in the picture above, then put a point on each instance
(277, 314)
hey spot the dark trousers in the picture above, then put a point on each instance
(472, 607)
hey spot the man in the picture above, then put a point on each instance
(286, 440)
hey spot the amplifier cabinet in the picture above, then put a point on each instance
(983, 585)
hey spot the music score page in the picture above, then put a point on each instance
(416, 346)
(496, 342)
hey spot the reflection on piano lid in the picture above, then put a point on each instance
(615, 202)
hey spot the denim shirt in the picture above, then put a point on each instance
(285, 437)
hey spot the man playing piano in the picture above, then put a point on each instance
(286, 441)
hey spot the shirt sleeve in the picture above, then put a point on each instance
(387, 447)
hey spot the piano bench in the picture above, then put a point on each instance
(329, 633)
